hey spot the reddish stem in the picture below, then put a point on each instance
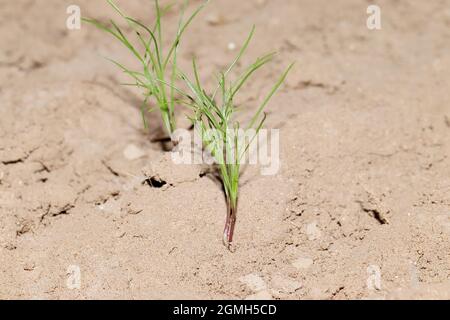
(229, 225)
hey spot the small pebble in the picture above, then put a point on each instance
(285, 285)
(215, 20)
(232, 46)
(303, 263)
(254, 282)
(312, 231)
(29, 266)
(132, 152)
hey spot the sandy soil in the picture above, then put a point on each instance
(360, 208)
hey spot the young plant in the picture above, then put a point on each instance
(220, 132)
(158, 66)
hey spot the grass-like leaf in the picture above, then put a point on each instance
(219, 130)
(158, 69)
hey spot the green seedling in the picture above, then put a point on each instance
(220, 131)
(158, 65)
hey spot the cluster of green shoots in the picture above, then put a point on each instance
(218, 128)
(158, 68)
(220, 133)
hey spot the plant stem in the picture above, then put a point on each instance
(230, 222)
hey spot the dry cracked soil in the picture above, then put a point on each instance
(360, 208)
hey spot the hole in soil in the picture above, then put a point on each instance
(155, 182)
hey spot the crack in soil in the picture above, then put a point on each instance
(110, 169)
(374, 212)
(65, 210)
(19, 160)
(12, 162)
